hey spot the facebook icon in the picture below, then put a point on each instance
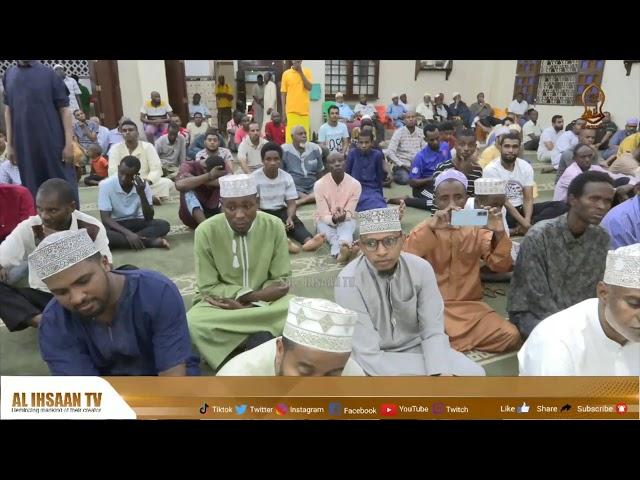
(335, 409)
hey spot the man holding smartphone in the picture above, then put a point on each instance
(455, 252)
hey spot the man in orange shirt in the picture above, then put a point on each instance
(296, 85)
(455, 254)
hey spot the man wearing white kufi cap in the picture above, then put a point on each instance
(316, 342)
(424, 110)
(596, 337)
(490, 192)
(242, 262)
(400, 329)
(455, 254)
(104, 322)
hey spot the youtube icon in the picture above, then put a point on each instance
(388, 410)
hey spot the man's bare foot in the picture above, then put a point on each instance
(156, 200)
(160, 243)
(355, 250)
(314, 243)
(343, 256)
(396, 201)
(293, 247)
(35, 321)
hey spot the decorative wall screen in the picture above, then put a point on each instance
(77, 67)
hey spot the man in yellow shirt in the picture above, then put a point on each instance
(296, 85)
(629, 144)
(224, 101)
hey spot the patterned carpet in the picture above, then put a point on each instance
(313, 275)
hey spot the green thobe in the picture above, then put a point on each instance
(229, 265)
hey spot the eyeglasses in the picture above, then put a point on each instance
(371, 244)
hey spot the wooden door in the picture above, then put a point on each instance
(177, 89)
(105, 85)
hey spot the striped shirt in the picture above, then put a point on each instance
(404, 146)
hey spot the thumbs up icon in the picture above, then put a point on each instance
(524, 408)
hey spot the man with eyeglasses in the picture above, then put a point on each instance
(400, 328)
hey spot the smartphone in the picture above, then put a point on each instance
(476, 217)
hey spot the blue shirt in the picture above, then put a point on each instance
(345, 111)
(103, 139)
(618, 137)
(200, 108)
(79, 132)
(122, 205)
(623, 223)
(148, 334)
(9, 173)
(426, 161)
(394, 112)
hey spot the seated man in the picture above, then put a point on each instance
(150, 165)
(333, 134)
(154, 115)
(115, 136)
(126, 210)
(277, 195)
(396, 112)
(9, 172)
(345, 114)
(303, 160)
(232, 126)
(22, 307)
(308, 346)
(561, 260)
(629, 144)
(627, 164)
(623, 221)
(404, 145)
(172, 151)
(596, 337)
(586, 136)
(249, 150)
(549, 139)
(243, 131)
(367, 166)
(531, 131)
(566, 141)
(614, 142)
(212, 147)
(196, 127)
(17, 205)
(400, 329)
(99, 166)
(337, 195)
(274, 131)
(85, 131)
(455, 254)
(492, 152)
(521, 211)
(241, 287)
(422, 168)
(108, 322)
(198, 108)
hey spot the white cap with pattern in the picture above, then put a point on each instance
(61, 250)
(623, 267)
(490, 186)
(320, 324)
(240, 185)
(379, 220)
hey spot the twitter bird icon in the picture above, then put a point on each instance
(240, 409)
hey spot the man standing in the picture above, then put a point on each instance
(39, 125)
(151, 167)
(337, 196)
(303, 160)
(400, 328)
(154, 116)
(316, 342)
(72, 86)
(561, 260)
(126, 209)
(275, 131)
(241, 287)
(172, 150)
(295, 88)
(531, 131)
(598, 336)
(249, 150)
(455, 254)
(270, 100)
(108, 322)
(549, 139)
(22, 307)
(277, 196)
(334, 135)
(404, 145)
(258, 101)
(224, 101)
(197, 107)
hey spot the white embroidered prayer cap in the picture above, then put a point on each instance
(240, 185)
(61, 250)
(320, 324)
(490, 186)
(623, 267)
(379, 220)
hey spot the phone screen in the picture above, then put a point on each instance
(469, 218)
